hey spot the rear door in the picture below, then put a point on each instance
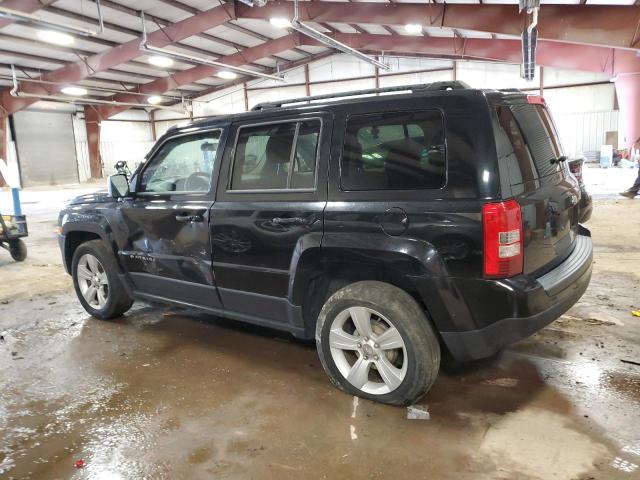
(531, 157)
(270, 199)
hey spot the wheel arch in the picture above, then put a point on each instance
(323, 269)
(75, 235)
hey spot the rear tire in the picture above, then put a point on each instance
(396, 361)
(18, 250)
(96, 281)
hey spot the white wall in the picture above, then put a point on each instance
(124, 140)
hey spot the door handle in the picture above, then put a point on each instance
(196, 216)
(290, 221)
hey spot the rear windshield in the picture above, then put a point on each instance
(540, 136)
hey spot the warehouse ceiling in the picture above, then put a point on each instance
(110, 65)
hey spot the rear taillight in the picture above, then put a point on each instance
(502, 224)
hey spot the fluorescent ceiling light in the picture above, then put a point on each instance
(227, 75)
(413, 28)
(280, 22)
(203, 61)
(160, 61)
(154, 99)
(75, 91)
(59, 38)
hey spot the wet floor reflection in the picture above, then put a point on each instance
(171, 394)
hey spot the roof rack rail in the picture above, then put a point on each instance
(510, 90)
(420, 87)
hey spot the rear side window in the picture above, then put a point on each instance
(394, 151)
(540, 135)
(513, 147)
(280, 156)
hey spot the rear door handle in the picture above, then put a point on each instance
(195, 216)
(290, 221)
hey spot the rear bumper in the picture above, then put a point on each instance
(532, 304)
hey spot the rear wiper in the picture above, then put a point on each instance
(563, 158)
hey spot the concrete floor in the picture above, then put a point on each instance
(164, 393)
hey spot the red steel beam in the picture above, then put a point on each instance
(548, 53)
(606, 25)
(24, 6)
(80, 70)
(191, 75)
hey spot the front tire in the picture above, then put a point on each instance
(375, 341)
(18, 250)
(96, 281)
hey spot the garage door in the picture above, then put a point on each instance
(46, 148)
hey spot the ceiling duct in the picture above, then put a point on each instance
(18, 16)
(297, 25)
(145, 47)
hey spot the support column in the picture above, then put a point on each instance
(246, 97)
(628, 92)
(307, 87)
(152, 124)
(4, 143)
(92, 122)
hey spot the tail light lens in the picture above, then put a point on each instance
(502, 224)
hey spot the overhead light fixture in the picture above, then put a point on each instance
(15, 92)
(145, 47)
(22, 17)
(52, 36)
(280, 22)
(227, 75)
(160, 61)
(74, 91)
(413, 28)
(154, 99)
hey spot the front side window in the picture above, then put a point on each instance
(183, 164)
(279, 156)
(394, 151)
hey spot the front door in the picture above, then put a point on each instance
(269, 207)
(166, 248)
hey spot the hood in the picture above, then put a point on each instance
(95, 197)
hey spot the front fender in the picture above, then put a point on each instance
(84, 221)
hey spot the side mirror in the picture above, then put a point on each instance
(118, 185)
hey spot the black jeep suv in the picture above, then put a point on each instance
(393, 226)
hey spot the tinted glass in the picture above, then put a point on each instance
(304, 166)
(512, 146)
(540, 136)
(263, 156)
(183, 164)
(394, 151)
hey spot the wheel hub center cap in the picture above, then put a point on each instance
(367, 349)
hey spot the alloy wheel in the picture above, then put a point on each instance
(368, 350)
(93, 281)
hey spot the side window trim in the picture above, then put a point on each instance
(298, 121)
(156, 150)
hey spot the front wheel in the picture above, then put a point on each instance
(96, 281)
(375, 341)
(18, 250)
